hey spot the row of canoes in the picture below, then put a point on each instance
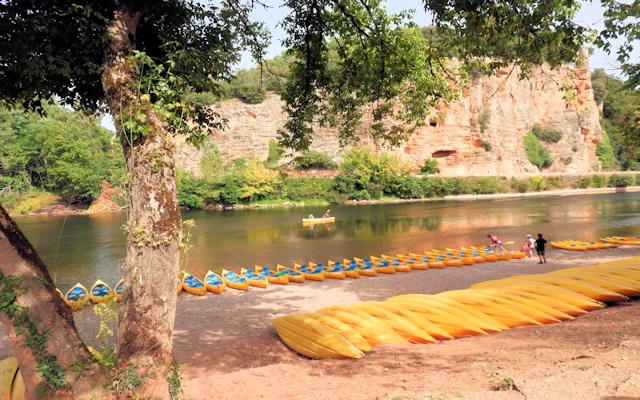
(261, 277)
(78, 296)
(578, 245)
(484, 308)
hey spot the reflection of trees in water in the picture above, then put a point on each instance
(318, 231)
(364, 229)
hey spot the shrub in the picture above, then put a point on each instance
(584, 182)
(568, 160)
(620, 180)
(537, 183)
(430, 167)
(637, 179)
(536, 153)
(312, 159)
(546, 135)
(35, 200)
(259, 182)
(486, 145)
(369, 171)
(484, 185)
(599, 181)
(483, 120)
(297, 189)
(555, 182)
(211, 164)
(201, 99)
(230, 192)
(275, 153)
(604, 151)
(520, 186)
(408, 188)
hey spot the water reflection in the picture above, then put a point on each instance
(84, 248)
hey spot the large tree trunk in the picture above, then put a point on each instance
(46, 308)
(155, 225)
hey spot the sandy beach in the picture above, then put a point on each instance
(229, 347)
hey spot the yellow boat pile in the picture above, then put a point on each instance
(578, 245)
(628, 240)
(487, 307)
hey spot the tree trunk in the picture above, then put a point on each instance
(46, 308)
(155, 225)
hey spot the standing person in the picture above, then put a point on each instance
(540, 243)
(496, 243)
(531, 243)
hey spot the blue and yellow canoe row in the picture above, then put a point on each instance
(261, 276)
(488, 307)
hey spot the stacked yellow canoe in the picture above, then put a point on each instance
(627, 240)
(487, 307)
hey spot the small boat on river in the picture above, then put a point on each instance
(117, 292)
(317, 220)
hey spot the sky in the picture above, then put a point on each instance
(590, 15)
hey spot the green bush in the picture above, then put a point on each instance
(259, 182)
(408, 188)
(486, 145)
(604, 151)
(230, 192)
(275, 153)
(520, 186)
(620, 180)
(555, 182)
(537, 183)
(598, 181)
(364, 170)
(484, 185)
(34, 200)
(568, 160)
(546, 135)
(536, 153)
(483, 120)
(312, 159)
(637, 181)
(297, 189)
(430, 167)
(584, 182)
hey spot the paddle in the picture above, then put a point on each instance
(511, 242)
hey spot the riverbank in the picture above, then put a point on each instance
(226, 344)
(60, 210)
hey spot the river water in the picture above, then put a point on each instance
(83, 248)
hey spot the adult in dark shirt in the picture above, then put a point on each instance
(540, 243)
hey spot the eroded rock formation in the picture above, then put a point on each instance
(481, 135)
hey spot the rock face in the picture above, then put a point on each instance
(480, 135)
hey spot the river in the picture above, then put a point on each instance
(83, 248)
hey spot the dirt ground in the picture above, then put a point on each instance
(228, 348)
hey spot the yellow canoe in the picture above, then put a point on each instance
(234, 280)
(77, 297)
(317, 220)
(193, 285)
(100, 292)
(214, 283)
(117, 292)
(293, 275)
(254, 279)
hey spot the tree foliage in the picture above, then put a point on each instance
(66, 153)
(536, 153)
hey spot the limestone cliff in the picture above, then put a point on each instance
(498, 109)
